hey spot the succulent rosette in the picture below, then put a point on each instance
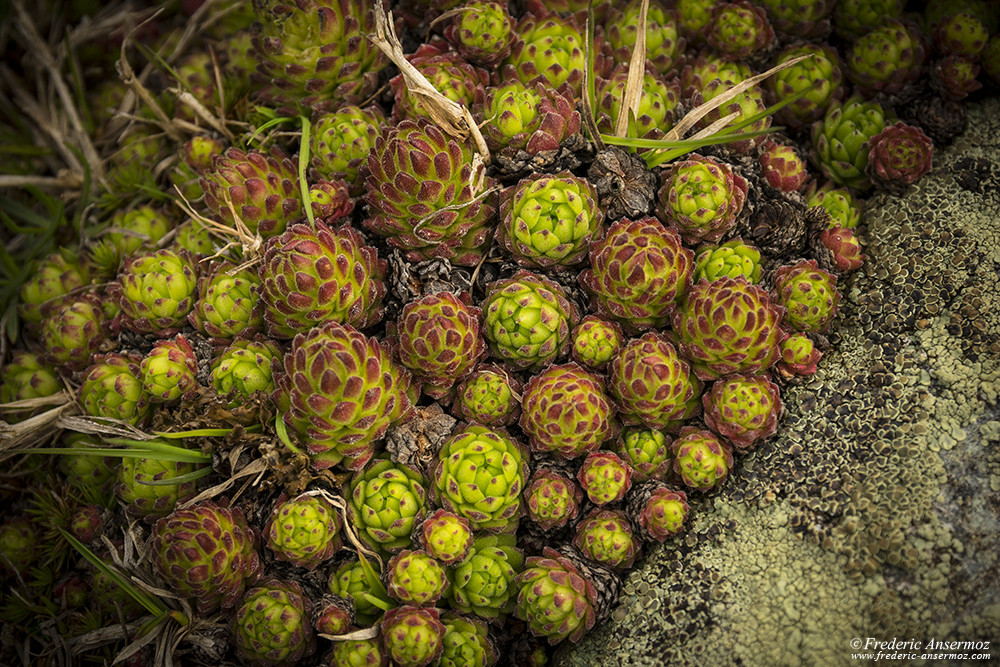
(658, 511)
(728, 326)
(330, 200)
(423, 196)
(446, 536)
(638, 273)
(303, 531)
(956, 77)
(316, 274)
(702, 197)
(483, 583)
(885, 59)
(26, 376)
(194, 237)
(732, 259)
(701, 460)
(646, 451)
(552, 499)
(799, 356)
(843, 250)
(809, 295)
(341, 141)
(490, 396)
(606, 537)
(206, 553)
(694, 17)
(271, 625)
(844, 208)
(261, 188)
(136, 228)
(550, 49)
(710, 66)
(412, 636)
(17, 544)
(743, 409)
(357, 653)
(149, 488)
(596, 342)
(387, 501)
(333, 615)
(313, 55)
(156, 291)
(604, 477)
(339, 392)
(548, 220)
(245, 368)
(527, 320)
(565, 411)
(841, 141)
(112, 387)
(651, 384)
(56, 275)
(73, 330)
(782, 167)
(438, 338)
(555, 598)
(415, 577)
(350, 581)
(528, 117)
(170, 371)
(899, 155)
(658, 101)
(800, 18)
(480, 476)
(664, 45)
(739, 30)
(466, 642)
(820, 75)
(447, 71)
(92, 476)
(961, 33)
(745, 105)
(482, 33)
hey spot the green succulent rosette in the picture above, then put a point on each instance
(423, 196)
(357, 653)
(466, 642)
(207, 553)
(26, 376)
(311, 275)
(728, 326)
(652, 384)
(886, 59)
(739, 30)
(646, 451)
(73, 331)
(566, 412)
(314, 55)
(743, 409)
(18, 542)
(555, 598)
(548, 220)
(303, 531)
(112, 387)
(245, 368)
(708, 67)
(170, 371)
(271, 625)
(606, 537)
(339, 393)
(137, 228)
(638, 273)
(841, 139)
(702, 197)
(808, 294)
(227, 304)
(658, 102)
(550, 49)
(53, 277)
(415, 577)
(746, 104)
(412, 636)
(480, 475)
(90, 475)
(820, 75)
(732, 259)
(657, 511)
(799, 356)
(332, 615)
(261, 188)
(482, 33)
(596, 342)
(341, 141)
(664, 45)
(844, 208)
(438, 338)
(350, 581)
(330, 201)
(694, 17)
(483, 583)
(526, 117)
(490, 396)
(552, 499)
(387, 501)
(156, 291)
(527, 320)
(447, 71)
(194, 237)
(701, 460)
(800, 18)
(146, 486)
(446, 536)
(854, 18)
(604, 477)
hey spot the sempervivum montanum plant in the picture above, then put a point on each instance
(483, 584)
(73, 330)
(304, 530)
(156, 291)
(651, 384)
(483, 33)
(701, 460)
(446, 70)
(415, 577)
(245, 368)
(25, 376)
(340, 392)
(899, 156)
(446, 536)
(207, 553)
(227, 306)
(55, 276)
(112, 387)
(387, 501)
(743, 409)
(552, 499)
(271, 626)
(840, 141)
(489, 396)
(596, 342)
(606, 537)
(412, 636)
(529, 118)
(169, 371)
(658, 511)
(702, 197)
(818, 76)
(732, 259)
(808, 294)
(555, 598)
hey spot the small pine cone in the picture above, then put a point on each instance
(940, 118)
(625, 187)
(607, 583)
(777, 227)
(416, 441)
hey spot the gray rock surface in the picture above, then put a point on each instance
(875, 511)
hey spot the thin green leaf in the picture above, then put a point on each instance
(303, 164)
(384, 605)
(375, 584)
(264, 127)
(589, 102)
(180, 479)
(196, 433)
(282, 432)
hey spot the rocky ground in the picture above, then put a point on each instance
(875, 512)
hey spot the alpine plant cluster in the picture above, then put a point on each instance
(437, 401)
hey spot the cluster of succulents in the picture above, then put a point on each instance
(442, 394)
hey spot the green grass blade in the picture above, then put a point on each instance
(303, 165)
